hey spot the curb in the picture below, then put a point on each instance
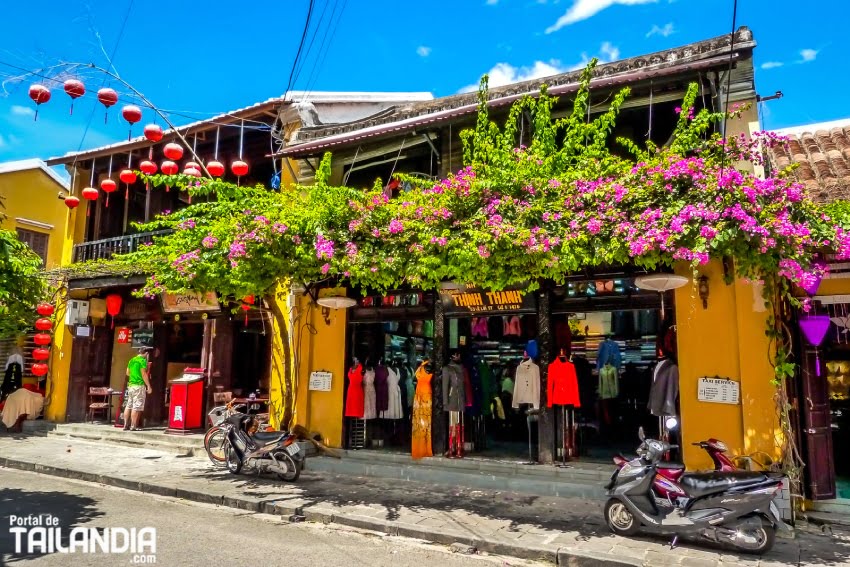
(560, 556)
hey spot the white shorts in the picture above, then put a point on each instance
(136, 397)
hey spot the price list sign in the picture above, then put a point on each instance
(719, 391)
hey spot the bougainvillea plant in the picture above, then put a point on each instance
(514, 214)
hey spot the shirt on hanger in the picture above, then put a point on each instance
(563, 384)
(527, 384)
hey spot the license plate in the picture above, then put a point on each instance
(293, 449)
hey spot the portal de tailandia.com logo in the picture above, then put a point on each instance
(43, 534)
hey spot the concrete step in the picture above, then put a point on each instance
(585, 481)
(840, 506)
(189, 445)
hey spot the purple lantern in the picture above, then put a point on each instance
(814, 329)
(810, 282)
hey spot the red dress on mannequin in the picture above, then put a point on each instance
(354, 401)
(563, 384)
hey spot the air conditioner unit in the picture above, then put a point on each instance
(77, 312)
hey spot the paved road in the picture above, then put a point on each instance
(195, 534)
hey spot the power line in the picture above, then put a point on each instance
(300, 47)
(316, 29)
(333, 29)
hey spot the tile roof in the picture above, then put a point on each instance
(823, 154)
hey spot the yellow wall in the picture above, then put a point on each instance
(33, 195)
(727, 339)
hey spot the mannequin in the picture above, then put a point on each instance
(420, 445)
(527, 393)
(454, 402)
(354, 406)
(563, 392)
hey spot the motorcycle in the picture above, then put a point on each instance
(665, 483)
(729, 507)
(264, 451)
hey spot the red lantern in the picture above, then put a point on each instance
(131, 114)
(91, 194)
(107, 97)
(113, 306)
(173, 151)
(193, 171)
(216, 168)
(41, 339)
(39, 369)
(127, 176)
(72, 202)
(148, 167)
(239, 168)
(74, 89)
(153, 132)
(45, 309)
(43, 324)
(247, 302)
(39, 94)
(108, 186)
(41, 353)
(169, 168)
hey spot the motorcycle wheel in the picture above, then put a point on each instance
(619, 519)
(762, 538)
(234, 465)
(293, 467)
(214, 442)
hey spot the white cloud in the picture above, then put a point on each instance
(665, 31)
(492, 2)
(423, 51)
(19, 110)
(808, 55)
(505, 74)
(584, 9)
(771, 64)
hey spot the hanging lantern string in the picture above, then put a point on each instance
(195, 144)
(110, 165)
(91, 183)
(73, 179)
(217, 132)
(241, 132)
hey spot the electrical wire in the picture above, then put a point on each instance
(306, 56)
(300, 47)
(332, 29)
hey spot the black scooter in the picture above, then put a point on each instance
(268, 451)
(734, 508)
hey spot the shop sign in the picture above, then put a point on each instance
(718, 390)
(135, 310)
(593, 288)
(475, 300)
(189, 302)
(124, 335)
(142, 338)
(320, 381)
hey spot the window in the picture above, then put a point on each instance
(35, 240)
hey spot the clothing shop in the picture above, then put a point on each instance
(563, 373)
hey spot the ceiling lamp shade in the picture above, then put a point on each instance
(336, 302)
(660, 282)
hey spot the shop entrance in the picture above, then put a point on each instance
(251, 358)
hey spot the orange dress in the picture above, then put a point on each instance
(421, 438)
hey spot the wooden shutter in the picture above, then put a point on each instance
(37, 241)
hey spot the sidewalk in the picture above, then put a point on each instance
(566, 531)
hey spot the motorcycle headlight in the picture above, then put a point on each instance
(671, 422)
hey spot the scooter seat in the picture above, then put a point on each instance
(266, 436)
(700, 484)
(672, 466)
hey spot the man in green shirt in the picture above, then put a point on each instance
(138, 386)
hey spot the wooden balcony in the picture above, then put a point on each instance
(106, 248)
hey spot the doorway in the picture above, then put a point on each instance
(91, 358)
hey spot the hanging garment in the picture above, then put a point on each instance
(608, 353)
(488, 385)
(428, 328)
(409, 388)
(562, 384)
(497, 408)
(609, 386)
(664, 392)
(420, 445)
(508, 385)
(382, 393)
(475, 393)
(454, 387)
(354, 396)
(394, 404)
(12, 379)
(527, 384)
(512, 326)
(370, 408)
(587, 385)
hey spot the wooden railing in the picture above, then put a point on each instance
(106, 248)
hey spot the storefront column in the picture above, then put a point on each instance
(546, 424)
(438, 420)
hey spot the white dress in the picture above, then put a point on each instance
(370, 405)
(394, 409)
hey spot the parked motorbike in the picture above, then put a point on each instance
(729, 507)
(264, 451)
(665, 483)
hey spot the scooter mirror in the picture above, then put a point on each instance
(641, 435)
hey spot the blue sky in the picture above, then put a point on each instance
(200, 59)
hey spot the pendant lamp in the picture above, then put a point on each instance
(814, 328)
(660, 283)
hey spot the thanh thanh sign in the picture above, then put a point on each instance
(467, 299)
